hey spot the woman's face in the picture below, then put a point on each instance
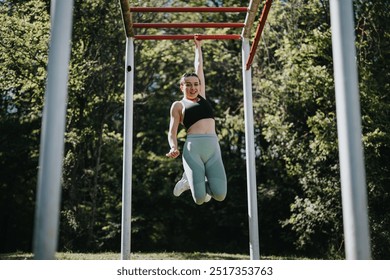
(190, 87)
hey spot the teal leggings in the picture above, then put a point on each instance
(202, 159)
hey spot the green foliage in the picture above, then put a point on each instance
(91, 208)
(296, 112)
(372, 37)
(24, 33)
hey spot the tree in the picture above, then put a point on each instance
(23, 56)
(295, 129)
(372, 31)
(297, 114)
(92, 162)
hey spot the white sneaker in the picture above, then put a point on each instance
(181, 186)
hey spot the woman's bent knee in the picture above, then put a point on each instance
(220, 197)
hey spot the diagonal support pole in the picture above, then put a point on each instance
(259, 30)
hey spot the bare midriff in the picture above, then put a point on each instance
(203, 126)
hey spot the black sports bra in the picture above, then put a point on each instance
(196, 111)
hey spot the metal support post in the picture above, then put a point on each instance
(353, 185)
(127, 150)
(52, 137)
(250, 155)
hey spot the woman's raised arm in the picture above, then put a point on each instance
(198, 64)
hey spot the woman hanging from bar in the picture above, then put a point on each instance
(204, 172)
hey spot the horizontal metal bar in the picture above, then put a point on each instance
(189, 37)
(189, 9)
(190, 25)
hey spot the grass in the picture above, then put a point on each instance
(145, 256)
(134, 256)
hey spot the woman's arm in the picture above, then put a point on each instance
(198, 63)
(173, 127)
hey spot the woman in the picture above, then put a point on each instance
(204, 172)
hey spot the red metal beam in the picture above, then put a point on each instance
(259, 30)
(189, 37)
(190, 25)
(189, 9)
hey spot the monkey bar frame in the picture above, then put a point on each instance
(247, 54)
(357, 245)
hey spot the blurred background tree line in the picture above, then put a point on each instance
(295, 129)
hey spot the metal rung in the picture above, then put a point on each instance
(189, 9)
(189, 37)
(189, 25)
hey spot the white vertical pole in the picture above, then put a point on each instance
(254, 246)
(52, 136)
(52, 10)
(353, 185)
(127, 150)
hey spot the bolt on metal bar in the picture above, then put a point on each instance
(189, 37)
(189, 9)
(190, 25)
